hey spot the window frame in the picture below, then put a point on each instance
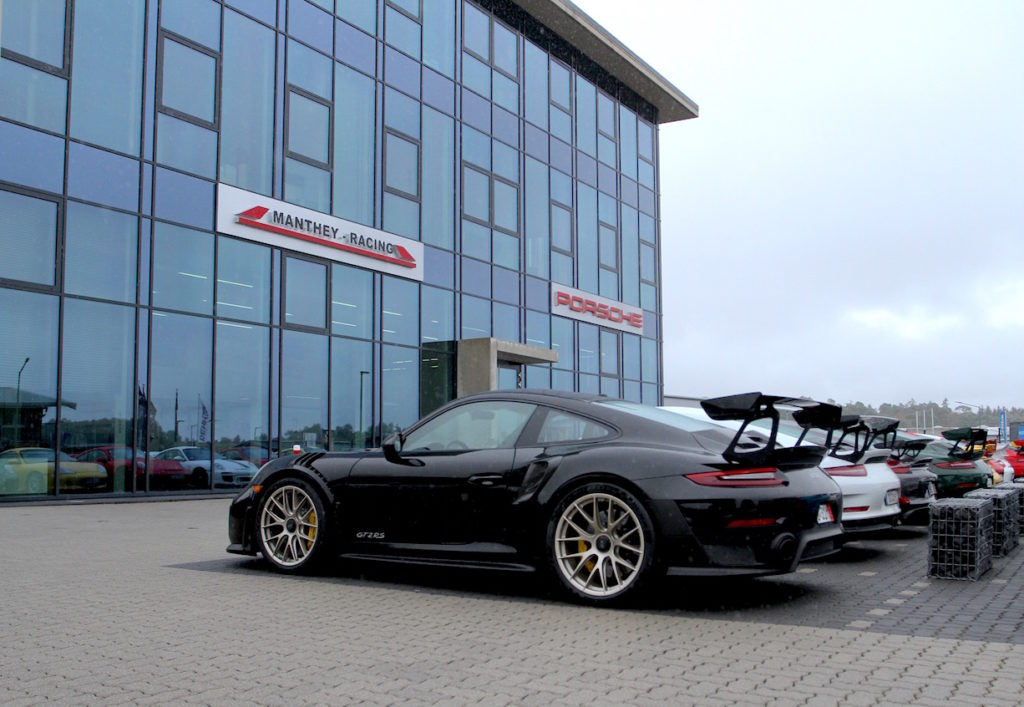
(163, 36)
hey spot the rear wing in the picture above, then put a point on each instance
(908, 449)
(860, 433)
(750, 407)
(969, 442)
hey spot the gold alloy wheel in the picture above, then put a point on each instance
(288, 526)
(599, 545)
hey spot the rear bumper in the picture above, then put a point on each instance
(810, 545)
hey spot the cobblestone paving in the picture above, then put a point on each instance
(139, 604)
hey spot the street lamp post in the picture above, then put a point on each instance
(17, 406)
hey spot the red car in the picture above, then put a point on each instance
(1015, 457)
(163, 474)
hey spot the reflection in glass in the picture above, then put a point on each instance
(305, 292)
(182, 268)
(588, 348)
(609, 353)
(247, 104)
(402, 33)
(189, 81)
(34, 29)
(400, 387)
(180, 407)
(649, 360)
(187, 146)
(198, 20)
(243, 393)
(100, 253)
(309, 69)
(307, 185)
(98, 375)
(439, 165)
(354, 140)
(506, 322)
(563, 341)
(303, 390)
(32, 96)
(476, 317)
(437, 376)
(362, 13)
(438, 314)
(351, 393)
(243, 280)
(401, 167)
(351, 301)
(308, 128)
(439, 36)
(400, 323)
(28, 384)
(106, 93)
(28, 238)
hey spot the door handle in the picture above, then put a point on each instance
(488, 480)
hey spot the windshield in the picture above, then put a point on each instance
(198, 454)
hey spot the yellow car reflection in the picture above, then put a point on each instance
(31, 470)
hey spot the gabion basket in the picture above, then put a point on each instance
(1019, 488)
(1006, 517)
(960, 538)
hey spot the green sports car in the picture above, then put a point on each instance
(956, 460)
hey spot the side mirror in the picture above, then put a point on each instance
(392, 447)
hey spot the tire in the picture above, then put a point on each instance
(601, 544)
(200, 479)
(291, 526)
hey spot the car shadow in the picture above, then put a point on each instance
(673, 594)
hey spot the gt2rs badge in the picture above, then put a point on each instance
(369, 535)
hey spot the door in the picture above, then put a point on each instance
(455, 484)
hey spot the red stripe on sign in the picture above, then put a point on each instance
(410, 263)
(255, 212)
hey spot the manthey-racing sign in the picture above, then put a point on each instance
(587, 307)
(277, 223)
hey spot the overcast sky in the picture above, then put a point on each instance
(845, 219)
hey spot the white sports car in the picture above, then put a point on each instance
(227, 473)
(871, 491)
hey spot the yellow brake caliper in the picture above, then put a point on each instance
(311, 537)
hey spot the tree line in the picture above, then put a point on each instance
(915, 415)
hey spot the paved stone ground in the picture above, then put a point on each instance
(139, 604)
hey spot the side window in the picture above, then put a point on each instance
(564, 427)
(484, 425)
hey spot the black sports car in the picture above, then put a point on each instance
(605, 494)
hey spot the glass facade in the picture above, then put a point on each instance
(146, 352)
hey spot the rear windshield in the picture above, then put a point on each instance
(665, 417)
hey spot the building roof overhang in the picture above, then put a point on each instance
(572, 24)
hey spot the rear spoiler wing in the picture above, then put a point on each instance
(972, 440)
(748, 407)
(861, 432)
(908, 449)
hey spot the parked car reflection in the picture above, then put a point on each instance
(164, 474)
(33, 470)
(227, 473)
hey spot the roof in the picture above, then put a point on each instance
(575, 26)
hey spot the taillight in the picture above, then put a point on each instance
(752, 522)
(955, 465)
(852, 470)
(764, 476)
(901, 468)
(855, 509)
